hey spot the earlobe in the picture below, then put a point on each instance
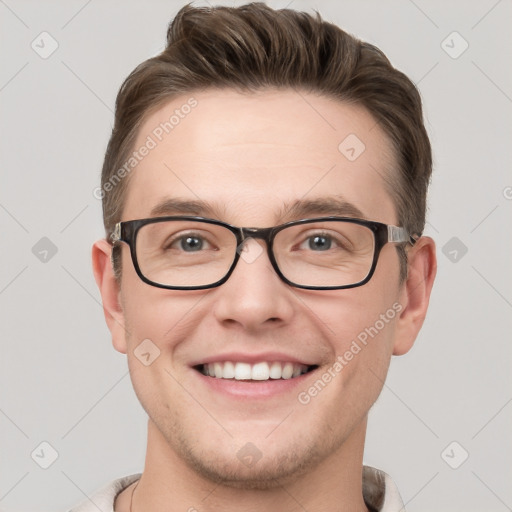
(415, 294)
(110, 293)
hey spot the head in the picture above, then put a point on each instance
(243, 118)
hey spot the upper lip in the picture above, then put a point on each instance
(240, 357)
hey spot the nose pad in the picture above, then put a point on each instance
(250, 250)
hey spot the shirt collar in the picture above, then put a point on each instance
(379, 492)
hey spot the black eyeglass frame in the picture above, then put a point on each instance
(383, 233)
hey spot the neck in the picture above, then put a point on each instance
(169, 483)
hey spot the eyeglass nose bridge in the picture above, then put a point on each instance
(250, 255)
(260, 233)
(255, 232)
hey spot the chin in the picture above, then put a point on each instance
(264, 475)
(272, 470)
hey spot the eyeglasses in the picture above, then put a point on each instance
(194, 253)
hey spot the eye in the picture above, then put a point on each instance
(318, 243)
(321, 241)
(189, 243)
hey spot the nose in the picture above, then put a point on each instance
(254, 297)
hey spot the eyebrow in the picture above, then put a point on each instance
(176, 206)
(330, 206)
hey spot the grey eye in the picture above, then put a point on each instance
(319, 243)
(190, 243)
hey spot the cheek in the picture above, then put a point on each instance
(157, 314)
(363, 348)
(349, 385)
(158, 324)
(361, 314)
(360, 327)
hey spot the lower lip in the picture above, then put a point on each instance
(253, 389)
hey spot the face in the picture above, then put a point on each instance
(249, 159)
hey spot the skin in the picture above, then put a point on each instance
(248, 155)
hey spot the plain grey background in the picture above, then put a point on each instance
(62, 382)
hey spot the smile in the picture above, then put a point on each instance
(256, 372)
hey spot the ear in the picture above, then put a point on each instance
(415, 293)
(110, 293)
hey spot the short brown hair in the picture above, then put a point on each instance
(253, 47)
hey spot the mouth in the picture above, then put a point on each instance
(257, 372)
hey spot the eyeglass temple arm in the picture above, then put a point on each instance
(396, 234)
(116, 234)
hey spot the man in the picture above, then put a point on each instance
(264, 198)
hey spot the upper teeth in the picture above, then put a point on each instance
(258, 371)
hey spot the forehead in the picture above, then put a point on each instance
(249, 155)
